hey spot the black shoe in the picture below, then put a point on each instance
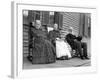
(57, 58)
(66, 58)
(82, 58)
(61, 58)
(87, 58)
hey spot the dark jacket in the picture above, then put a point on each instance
(54, 34)
(70, 39)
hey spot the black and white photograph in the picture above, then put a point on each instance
(53, 39)
(56, 39)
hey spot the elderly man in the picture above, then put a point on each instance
(75, 43)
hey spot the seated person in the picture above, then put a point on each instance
(75, 43)
(62, 51)
(54, 34)
(43, 50)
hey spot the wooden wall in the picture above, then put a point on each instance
(70, 19)
(25, 34)
(81, 23)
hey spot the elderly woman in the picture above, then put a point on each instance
(63, 50)
(43, 50)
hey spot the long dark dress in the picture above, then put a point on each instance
(43, 50)
(53, 35)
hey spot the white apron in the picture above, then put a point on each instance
(62, 49)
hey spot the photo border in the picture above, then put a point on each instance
(17, 40)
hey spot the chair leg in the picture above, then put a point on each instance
(29, 57)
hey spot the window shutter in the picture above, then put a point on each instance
(58, 18)
(45, 18)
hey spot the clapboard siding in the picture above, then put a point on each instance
(70, 19)
(25, 39)
(25, 35)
